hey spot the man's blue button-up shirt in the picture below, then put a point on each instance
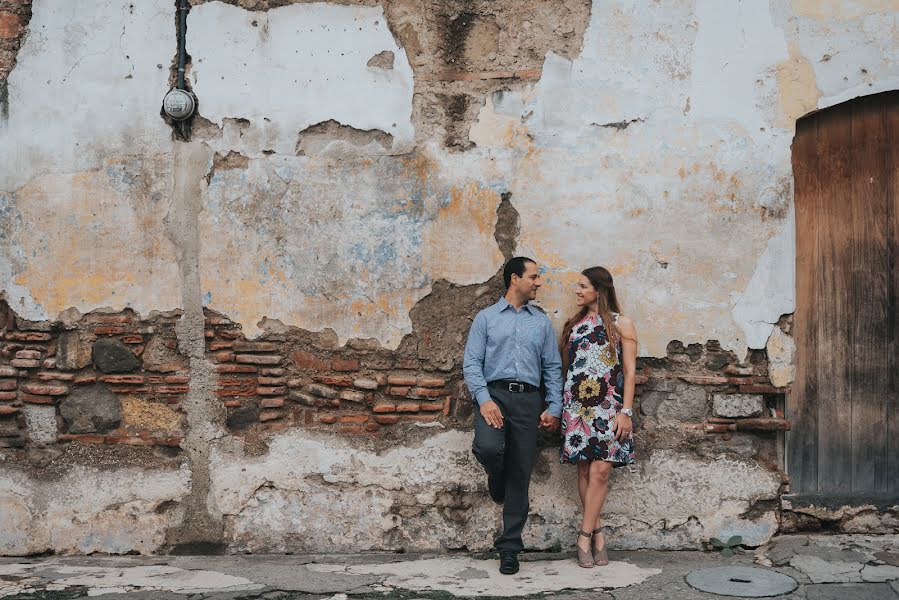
(520, 345)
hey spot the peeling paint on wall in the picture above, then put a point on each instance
(688, 163)
(81, 178)
(706, 153)
(388, 229)
(271, 502)
(849, 45)
(772, 290)
(90, 510)
(101, 241)
(321, 51)
(88, 83)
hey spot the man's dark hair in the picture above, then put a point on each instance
(515, 265)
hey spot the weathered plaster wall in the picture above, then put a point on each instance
(672, 129)
(86, 504)
(357, 174)
(85, 182)
(272, 502)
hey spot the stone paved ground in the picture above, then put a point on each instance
(824, 567)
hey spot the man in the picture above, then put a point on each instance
(510, 346)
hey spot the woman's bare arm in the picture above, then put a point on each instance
(628, 333)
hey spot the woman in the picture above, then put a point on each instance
(599, 362)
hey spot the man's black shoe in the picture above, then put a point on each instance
(496, 485)
(508, 563)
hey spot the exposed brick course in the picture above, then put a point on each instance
(274, 383)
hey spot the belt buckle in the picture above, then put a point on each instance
(516, 387)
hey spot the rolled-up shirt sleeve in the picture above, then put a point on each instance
(473, 363)
(552, 371)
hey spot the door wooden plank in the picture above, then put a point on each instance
(833, 304)
(868, 286)
(891, 470)
(802, 406)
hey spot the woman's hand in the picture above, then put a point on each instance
(623, 427)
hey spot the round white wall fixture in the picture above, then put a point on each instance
(178, 104)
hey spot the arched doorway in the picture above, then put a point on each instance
(844, 442)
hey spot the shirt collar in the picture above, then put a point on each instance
(503, 304)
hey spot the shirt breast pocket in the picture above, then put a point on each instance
(536, 336)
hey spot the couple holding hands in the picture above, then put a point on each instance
(589, 379)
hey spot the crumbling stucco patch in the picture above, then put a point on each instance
(839, 10)
(320, 52)
(848, 46)
(330, 138)
(618, 181)
(668, 501)
(351, 246)
(797, 87)
(90, 239)
(381, 60)
(89, 510)
(392, 499)
(732, 81)
(771, 291)
(862, 516)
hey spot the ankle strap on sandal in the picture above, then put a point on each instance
(585, 534)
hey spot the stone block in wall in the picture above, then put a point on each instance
(687, 404)
(716, 358)
(41, 423)
(91, 409)
(738, 405)
(650, 402)
(781, 350)
(308, 361)
(8, 425)
(147, 416)
(160, 356)
(112, 356)
(244, 416)
(365, 384)
(660, 385)
(321, 390)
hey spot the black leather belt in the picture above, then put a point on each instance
(509, 385)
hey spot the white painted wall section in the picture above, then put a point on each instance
(295, 66)
(89, 81)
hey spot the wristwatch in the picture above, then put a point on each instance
(627, 411)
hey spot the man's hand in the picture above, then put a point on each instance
(549, 422)
(491, 413)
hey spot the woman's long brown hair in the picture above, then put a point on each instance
(607, 301)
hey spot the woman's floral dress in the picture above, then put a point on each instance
(592, 397)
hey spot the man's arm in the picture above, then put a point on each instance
(552, 371)
(473, 363)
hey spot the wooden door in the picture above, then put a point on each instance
(844, 441)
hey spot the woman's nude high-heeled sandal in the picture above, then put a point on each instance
(600, 557)
(584, 557)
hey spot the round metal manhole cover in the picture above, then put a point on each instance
(746, 582)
